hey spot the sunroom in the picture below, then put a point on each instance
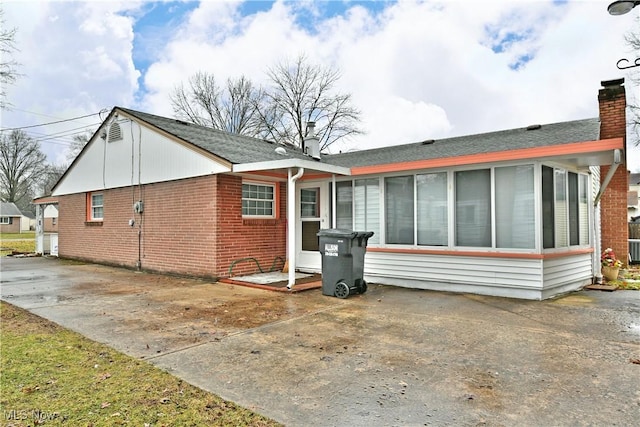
(520, 228)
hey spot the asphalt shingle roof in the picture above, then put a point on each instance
(513, 139)
(239, 149)
(9, 209)
(236, 149)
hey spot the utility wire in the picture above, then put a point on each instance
(51, 123)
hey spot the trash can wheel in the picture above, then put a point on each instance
(342, 290)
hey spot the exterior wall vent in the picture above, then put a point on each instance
(115, 133)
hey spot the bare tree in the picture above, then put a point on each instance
(302, 92)
(232, 108)
(8, 73)
(22, 168)
(52, 174)
(632, 38)
(77, 144)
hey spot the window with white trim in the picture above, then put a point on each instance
(5, 220)
(97, 207)
(258, 200)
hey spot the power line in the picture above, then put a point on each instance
(52, 123)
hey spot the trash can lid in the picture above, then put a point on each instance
(349, 234)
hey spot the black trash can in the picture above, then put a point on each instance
(343, 261)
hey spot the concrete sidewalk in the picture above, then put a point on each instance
(388, 357)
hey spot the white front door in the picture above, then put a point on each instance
(312, 211)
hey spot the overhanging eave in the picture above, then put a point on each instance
(308, 165)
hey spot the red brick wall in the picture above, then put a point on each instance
(192, 226)
(615, 232)
(49, 226)
(14, 227)
(178, 228)
(262, 239)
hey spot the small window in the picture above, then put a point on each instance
(54, 221)
(5, 220)
(258, 200)
(96, 208)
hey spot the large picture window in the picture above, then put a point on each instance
(258, 200)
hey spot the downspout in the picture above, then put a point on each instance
(334, 199)
(291, 224)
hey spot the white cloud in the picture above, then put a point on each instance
(418, 70)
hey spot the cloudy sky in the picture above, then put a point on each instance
(416, 69)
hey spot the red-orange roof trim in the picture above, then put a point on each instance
(498, 156)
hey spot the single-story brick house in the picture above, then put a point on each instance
(511, 213)
(12, 220)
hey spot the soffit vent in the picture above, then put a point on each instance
(115, 133)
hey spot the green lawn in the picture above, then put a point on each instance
(57, 376)
(18, 242)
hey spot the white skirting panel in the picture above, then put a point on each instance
(562, 275)
(508, 277)
(505, 277)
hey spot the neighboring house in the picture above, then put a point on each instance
(11, 218)
(50, 216)
(513, 213)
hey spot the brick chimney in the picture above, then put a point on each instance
(613, 204)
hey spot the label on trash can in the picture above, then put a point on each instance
(330, 249)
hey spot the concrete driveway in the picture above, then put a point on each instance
(388, 357)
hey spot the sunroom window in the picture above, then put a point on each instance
(399, 209)
(473, 208)
(366, 207)
(515, 207)
(432, 209)
(565, 208)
